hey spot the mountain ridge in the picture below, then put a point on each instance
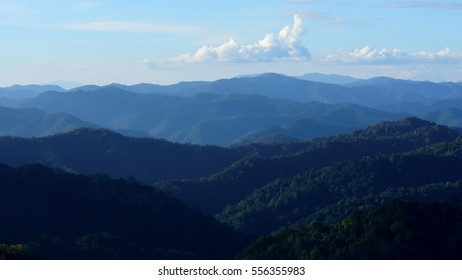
(256, 188)
(193, 119)
(33, 122)
(245, 176)
(92, 150)
(191, 112)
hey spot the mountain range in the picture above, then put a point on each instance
(267, 107)
(248, 175)
(202, 118)
(283, 192)
(254, 167)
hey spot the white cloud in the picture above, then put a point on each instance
(444, 55)
(369, 55)
(286, 45)
(127, 26)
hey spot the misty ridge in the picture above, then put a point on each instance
(231, 111)
(263, 166)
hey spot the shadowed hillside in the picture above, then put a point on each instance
(102, 151)
(49, 214)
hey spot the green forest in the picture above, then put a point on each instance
(49, 214)
(390, 191)
(396, 230)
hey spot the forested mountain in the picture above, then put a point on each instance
(102, 151)
(397, 230)
(32, 122)
(212, 194)
(49, 214)
(256, 189)
(293, 132)
(365, 190)
(329, 194)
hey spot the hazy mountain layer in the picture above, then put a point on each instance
(203, 118)
(264, 106)
(32, 122)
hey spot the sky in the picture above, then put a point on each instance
(78, 42)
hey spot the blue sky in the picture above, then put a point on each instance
(101, 41)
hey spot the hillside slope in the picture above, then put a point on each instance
(102, 151)
(32, 122)
(49, 214)
(213, 193)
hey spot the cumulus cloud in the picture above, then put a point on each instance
(369, 55)
(444, 55)
(285, 45)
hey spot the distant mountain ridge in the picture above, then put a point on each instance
(407, 90)
(266, 84)
(33, 122)
(328, 78)
(202, 118)
(228, 111)
(27, 91)
(326, 88)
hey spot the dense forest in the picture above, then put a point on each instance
(228, 187)
(390, 191)
(396, 230)
(49, 214)
(88, 151)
